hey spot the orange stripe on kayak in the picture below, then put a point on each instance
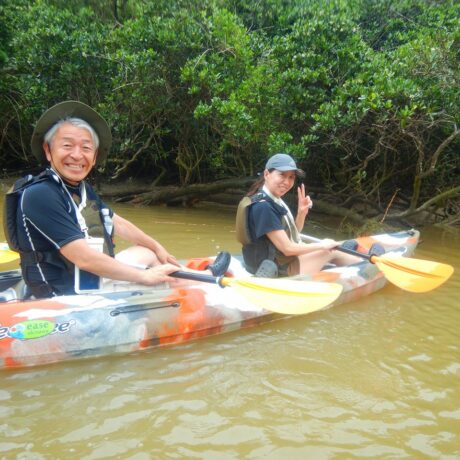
(365, 243)
(199, 263)
(326, 276)
(191, 314)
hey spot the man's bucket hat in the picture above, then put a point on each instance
(73, 109)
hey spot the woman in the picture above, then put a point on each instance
(270, 234)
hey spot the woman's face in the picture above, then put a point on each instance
(279, 182)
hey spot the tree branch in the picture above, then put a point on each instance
(427, 204)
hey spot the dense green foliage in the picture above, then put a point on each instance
(364, 93)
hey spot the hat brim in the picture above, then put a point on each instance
(299, 172)
(73, 109)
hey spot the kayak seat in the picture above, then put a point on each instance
(7, 295)
(221, 263)
(376, 250)
(218, 265)
(9, 278)
(350, 244)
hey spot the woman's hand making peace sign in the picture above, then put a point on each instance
(304, 203)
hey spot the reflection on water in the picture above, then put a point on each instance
(376, 378)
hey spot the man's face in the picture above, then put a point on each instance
(72, 153)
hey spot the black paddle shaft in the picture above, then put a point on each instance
(198, 277)
(343, 249)
(355, 253)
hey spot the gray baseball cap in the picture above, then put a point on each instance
(65, 110)
(283, 162)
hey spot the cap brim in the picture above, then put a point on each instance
(74, 109)
(299, 172)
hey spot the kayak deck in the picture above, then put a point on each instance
(63, 328)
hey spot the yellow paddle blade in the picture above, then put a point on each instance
(414, 275)
(286, 296)
(6, 254)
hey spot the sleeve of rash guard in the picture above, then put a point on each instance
(263, 219)
(50, 213)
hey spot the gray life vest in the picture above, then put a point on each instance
(255, 252)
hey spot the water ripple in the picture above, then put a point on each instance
(373, 379)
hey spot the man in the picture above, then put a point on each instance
(59, 215)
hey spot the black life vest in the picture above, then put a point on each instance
(57, 271)
(10, 208)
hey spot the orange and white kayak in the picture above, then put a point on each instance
(37, 332)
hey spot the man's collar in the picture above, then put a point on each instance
(58, 178)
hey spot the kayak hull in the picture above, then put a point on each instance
(38, 332)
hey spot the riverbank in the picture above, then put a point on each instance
(357, 217)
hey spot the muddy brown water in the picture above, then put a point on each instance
(378, 378)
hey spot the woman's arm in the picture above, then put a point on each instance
(282, 242)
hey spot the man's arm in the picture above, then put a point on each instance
(80, 254)
(130, 232)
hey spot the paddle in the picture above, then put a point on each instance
(6, 254)
(278, 295)
(413, 275)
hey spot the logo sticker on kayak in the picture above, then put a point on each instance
(34, 329)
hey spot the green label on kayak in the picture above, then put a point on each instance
(32, 329)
